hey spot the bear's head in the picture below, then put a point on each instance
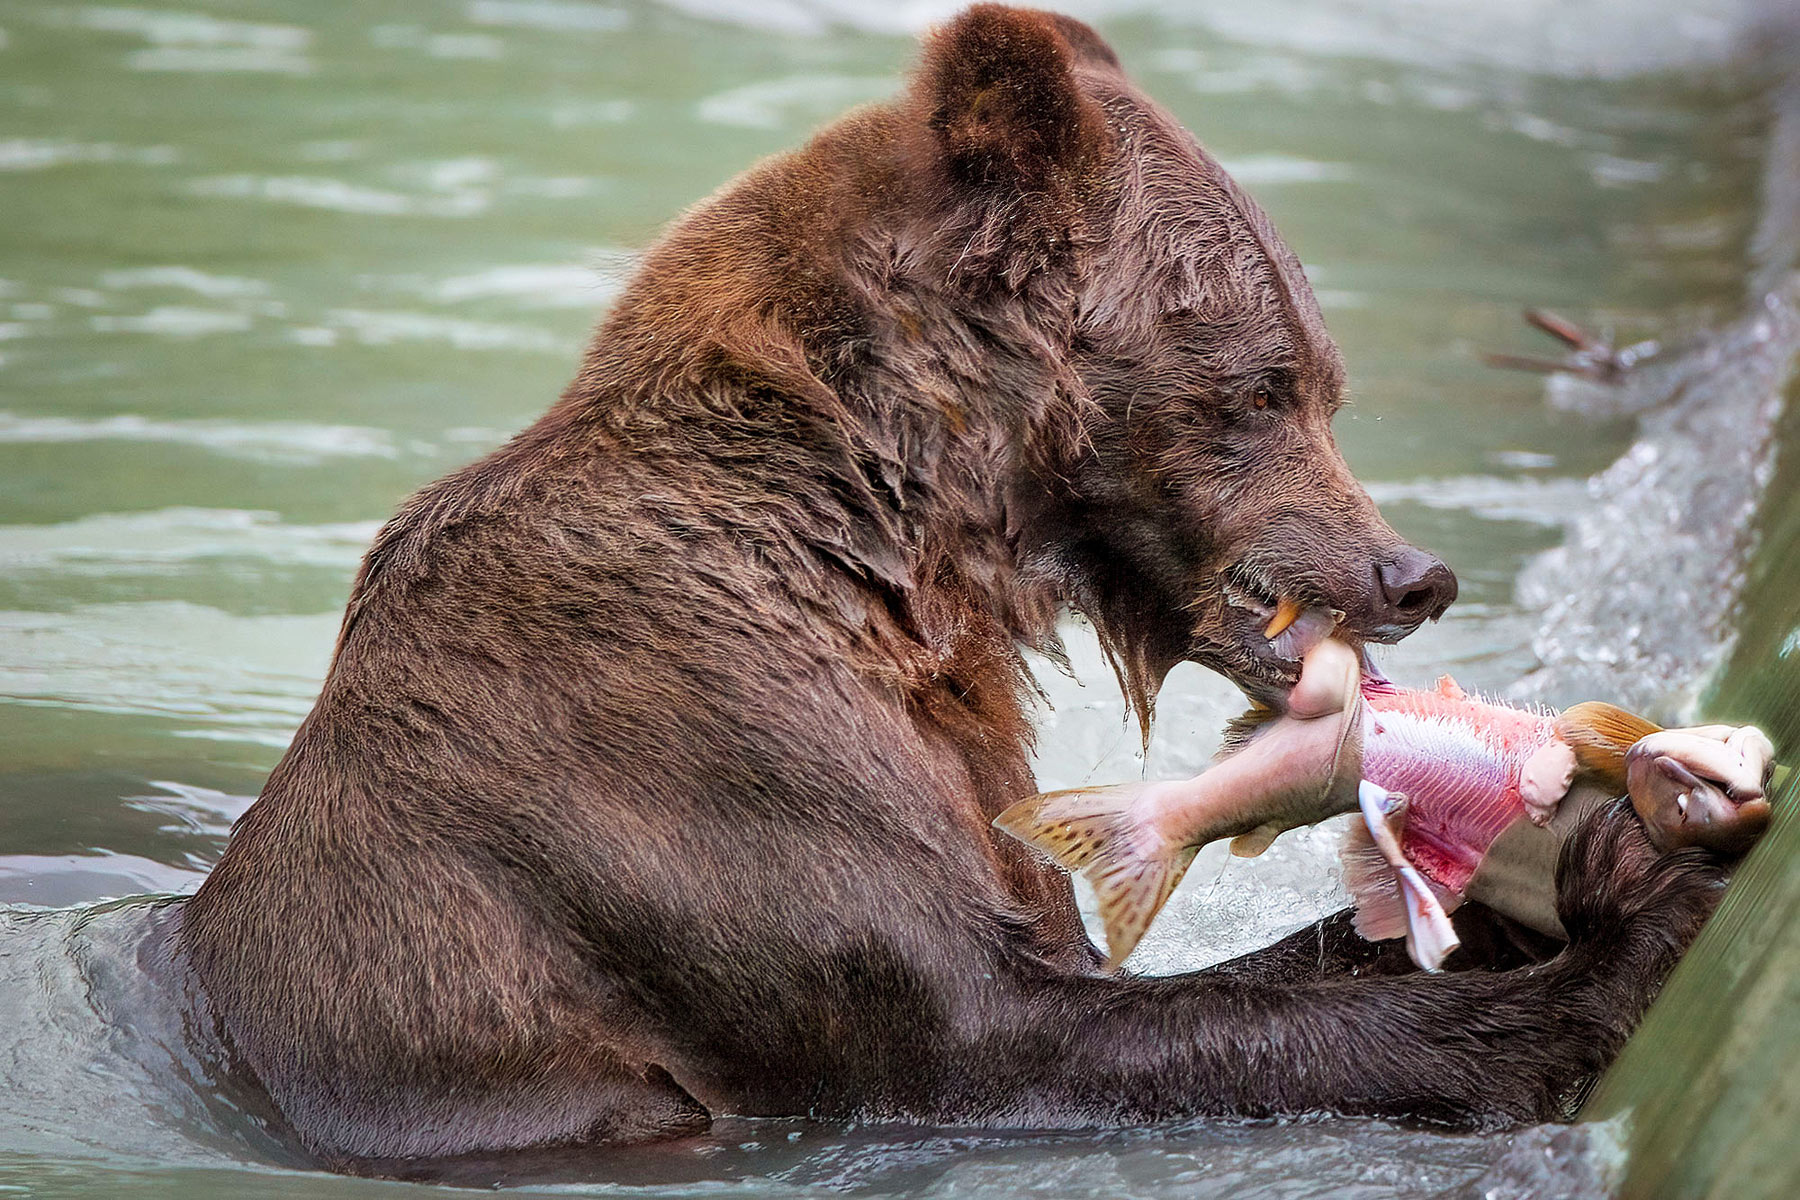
(1183, 479)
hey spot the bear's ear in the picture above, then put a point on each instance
(999, 91)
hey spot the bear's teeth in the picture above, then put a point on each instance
(1286, 613)
(1308, 628)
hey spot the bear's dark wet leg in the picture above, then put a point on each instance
(1475, 1049)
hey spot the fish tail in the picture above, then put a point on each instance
(1600, 734)
(1075, 825)
(1094, 830)
(1130, 891)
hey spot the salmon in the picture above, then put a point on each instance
(1459, 797)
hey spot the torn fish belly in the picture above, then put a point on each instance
(1450, 781)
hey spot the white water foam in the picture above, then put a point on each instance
(217, 60)
(164, 27)
(175, 320)
(1265, 170)
(307, 191)
(1552, 501)
(181, 41)
(437, 45)
(186, 279)
(40, 154)
(385, 328)
(294, 442)
(1606, 39)
(1677, 507)
(793, 99)
(557, 16)
(541, 285)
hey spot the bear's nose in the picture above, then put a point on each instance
(1413, 586)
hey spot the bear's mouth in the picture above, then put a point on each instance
(1266, 627)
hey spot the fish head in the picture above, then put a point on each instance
(1705, 786)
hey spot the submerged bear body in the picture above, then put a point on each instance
(654, 773)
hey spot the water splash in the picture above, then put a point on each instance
(1640, 604)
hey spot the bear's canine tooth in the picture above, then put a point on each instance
(1286, 613)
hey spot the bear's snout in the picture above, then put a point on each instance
(1412, 587)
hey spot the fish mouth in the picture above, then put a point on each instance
(1264, 628)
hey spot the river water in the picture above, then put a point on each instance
(265, 267)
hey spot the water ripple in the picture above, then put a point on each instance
(216, 60)
(559, 16)
(373, 328)
(162, 27)
(792, 100)
(39, 154)
(308, 191)
(551, 285)
(271, 441)
(175, 320)
(1552, 501)
(216, 674)
(185, 279)
(57, 880)
(170, 539)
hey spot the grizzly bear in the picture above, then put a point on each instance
(654, 771)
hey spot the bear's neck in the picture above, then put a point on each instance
(874, 489)
(839, 398)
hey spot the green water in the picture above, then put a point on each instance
(267, 266)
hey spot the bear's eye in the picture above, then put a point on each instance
(1270, 389)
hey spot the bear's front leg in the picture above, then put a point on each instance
(1331, 948)
(1470, 1050)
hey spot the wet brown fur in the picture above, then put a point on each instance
(654, 771)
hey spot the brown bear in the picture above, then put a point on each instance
(654, 772)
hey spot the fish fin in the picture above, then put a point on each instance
(1429, 935)
(1130, 891)
(1392, 897)
(1249, 845)
(1241, 730)
(1601, 733)
(1544, 779)
(1449, 689)
(1093, 830)
(1078, 825)
(1380, 908)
